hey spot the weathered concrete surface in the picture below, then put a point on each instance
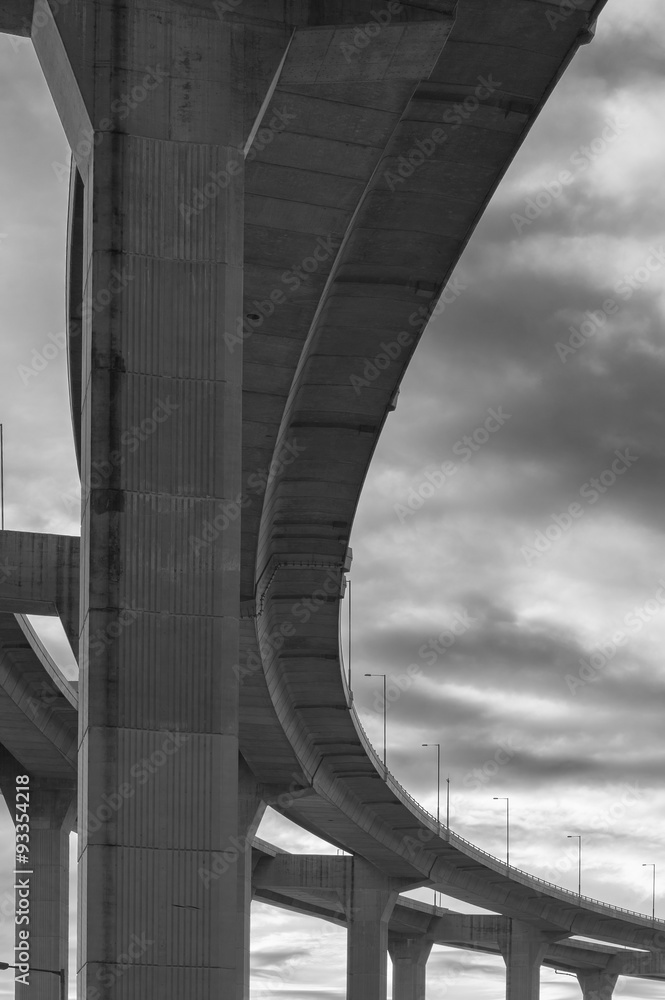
(597, 985)
(409, 957)
(16, 17)
(523, 949)
(38, 717)
(39, 575)
(42, 885)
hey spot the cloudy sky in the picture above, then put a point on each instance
(539, 538)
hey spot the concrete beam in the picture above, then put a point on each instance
(39, 575)
(38, 714)
(303, 871)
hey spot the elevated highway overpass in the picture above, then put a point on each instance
(282, 258)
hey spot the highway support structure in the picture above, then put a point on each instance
(163, 104)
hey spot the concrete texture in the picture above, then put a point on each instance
(41, 885)
(41, 577)
(205, 384)
(409, 958)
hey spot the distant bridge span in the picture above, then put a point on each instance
(285, 250)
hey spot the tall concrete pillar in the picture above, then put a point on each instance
(409, 957)
(523, 949)
(597, 985)
(152, 100)
(370, 898)
(250, 808)
(43, 884)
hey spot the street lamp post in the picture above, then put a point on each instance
(438, 781)
(578, 838)
(653, 891)
(448, 805)
(385, 708)
(502, 798)
(54, 972)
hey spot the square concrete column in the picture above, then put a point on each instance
(597, 985)
(523, 949)
(370, 898)
(409, 957)
(151, 97)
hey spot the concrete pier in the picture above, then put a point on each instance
(409, 957)
(523, 949)
(370, 900)
(597, 985)
(42, 887)
(153, 107)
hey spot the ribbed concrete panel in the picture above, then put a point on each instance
(158, 178)
(165, 980)
(167, 333)
(161, 895)
(159, 782)
(170, 643)
(168, 430)
(184, 547)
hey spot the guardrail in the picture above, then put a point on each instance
(461, 842)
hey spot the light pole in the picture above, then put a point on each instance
(578, 838)
(502, 798)
(653, 892)
(438, 781)
(385, 708)
(54, 972)
(448, 804)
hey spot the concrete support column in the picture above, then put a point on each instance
(250, 811)
(523, 949)
(370, 898)
(153, 105)
(597, 985)
(43, 884)
(409, 957)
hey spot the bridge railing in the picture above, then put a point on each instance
(466, 846)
